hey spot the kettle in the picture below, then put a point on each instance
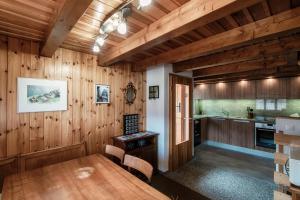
(294, 164)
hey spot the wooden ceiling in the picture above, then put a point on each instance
(82, 37)
(33, 19)
(259, 11)
(28, 19)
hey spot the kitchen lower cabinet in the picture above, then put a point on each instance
(217, 130)
(236, 132)
(242, 133)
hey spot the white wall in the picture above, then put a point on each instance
(157, 110)
(156, 113)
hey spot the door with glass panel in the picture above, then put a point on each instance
(180, 125)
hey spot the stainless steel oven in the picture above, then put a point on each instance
(264, 135)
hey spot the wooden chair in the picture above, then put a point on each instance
(140, 165)
(115, 152)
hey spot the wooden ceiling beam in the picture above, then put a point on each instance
(266, 63)
(275, 47)
(281, 71)
(274, 26)
(248, 15)
(266, 8)
(189, 16)
(70, 13)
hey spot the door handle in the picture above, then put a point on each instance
(220, 119)
(242, 121)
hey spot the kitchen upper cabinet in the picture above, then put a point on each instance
(213, 91)
(242, 133)
(293, 86)
(203, 91)
(223, 90)
(244, 90)
(217, 130)
(271, 88)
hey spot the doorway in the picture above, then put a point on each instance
(180, 120)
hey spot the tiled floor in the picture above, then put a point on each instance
(227, 175)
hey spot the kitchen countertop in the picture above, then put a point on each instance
(258, 119)
(223, 117)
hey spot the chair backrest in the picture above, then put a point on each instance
(115, 151)
(139, 165)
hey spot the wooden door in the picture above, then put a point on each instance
(180, 120)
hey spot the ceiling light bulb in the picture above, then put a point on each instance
(144, 3)
(122, 28)
(100, 40)
(101, 31)
(109, 27)
(115, 22)
(96, 48)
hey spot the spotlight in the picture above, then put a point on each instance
(96, 48)
(144, 3)
(100, 40)
(122, 28)
(115, 22)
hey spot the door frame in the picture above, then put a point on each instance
(179, 154)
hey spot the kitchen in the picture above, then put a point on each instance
(240, 116)
(243, 113)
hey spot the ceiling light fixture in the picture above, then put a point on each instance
(122, 28)
(100, 41)
(144, 3)
(116, 21)
(96, 48)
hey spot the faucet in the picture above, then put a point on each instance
(226, 113)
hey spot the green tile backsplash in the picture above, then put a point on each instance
(238, 108)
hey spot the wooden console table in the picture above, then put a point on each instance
(142, 145)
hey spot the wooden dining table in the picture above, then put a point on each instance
(90, 177)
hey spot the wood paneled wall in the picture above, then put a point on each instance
(84, 121)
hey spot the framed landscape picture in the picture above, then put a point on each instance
(41, 95)
(102, 93)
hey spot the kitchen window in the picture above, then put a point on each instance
(270, 104)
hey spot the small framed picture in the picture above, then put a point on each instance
(102, 94)
(154, 92)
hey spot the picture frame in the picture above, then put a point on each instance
(41, 95)
(154, 92)
(102, 94)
